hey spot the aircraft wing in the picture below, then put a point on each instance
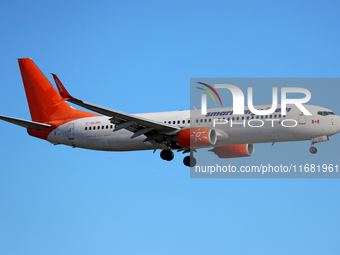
(25, 123)
(154, 130)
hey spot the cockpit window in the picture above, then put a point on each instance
(325, 113)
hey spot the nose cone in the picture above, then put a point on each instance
(337, 124)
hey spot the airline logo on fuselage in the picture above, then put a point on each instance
(225, 113)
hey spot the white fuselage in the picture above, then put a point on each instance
(97, 132)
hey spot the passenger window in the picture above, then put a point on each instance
(270, 116)
(102, 127)
(89, 128)
(257, 116)
(209, 120)
(169, 122)
(189, 121)
(205, 120)
(261, 116)
(174, 122)
(183, 121)
(247, 117)
(237, 118)
(85, 128)
(111, 126)
(94, 127)
(178, 122)
(107, 126)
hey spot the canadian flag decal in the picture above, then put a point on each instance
(315, 122)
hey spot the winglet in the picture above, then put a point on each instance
(62, 90)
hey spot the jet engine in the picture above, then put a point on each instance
(234, 151)
(198, 137)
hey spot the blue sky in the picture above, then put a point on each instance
(139, 57)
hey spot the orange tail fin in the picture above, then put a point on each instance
(44, 102)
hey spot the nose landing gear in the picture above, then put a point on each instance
(313, 149)
(320, 139)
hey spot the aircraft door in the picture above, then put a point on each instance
(302, 118)
(70, 131)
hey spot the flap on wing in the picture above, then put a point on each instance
(123, 120)
(120, 118)
(25, 123)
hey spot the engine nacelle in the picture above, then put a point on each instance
(234, 151)
(198, 137)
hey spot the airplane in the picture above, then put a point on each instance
(228, 135)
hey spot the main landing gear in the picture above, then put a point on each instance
(167, 155)
(188, 160)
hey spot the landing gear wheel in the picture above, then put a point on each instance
(167, 155)
(186, 160)
(189, 161)
(313, 150)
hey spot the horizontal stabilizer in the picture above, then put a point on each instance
(25, 123)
